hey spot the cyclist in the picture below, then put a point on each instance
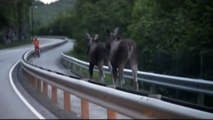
(36, 45)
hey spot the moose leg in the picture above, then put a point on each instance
(114, 70)
(121, 78)
(134, 72)
(110, 69)
(91, 66)
(134, 67)
(101, 72)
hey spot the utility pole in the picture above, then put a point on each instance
(32, 16)
(32, 21)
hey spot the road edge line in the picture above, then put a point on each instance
(32, 109)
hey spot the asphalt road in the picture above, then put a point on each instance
(11, 107)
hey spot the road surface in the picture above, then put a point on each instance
(11, 107)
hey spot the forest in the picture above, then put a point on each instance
(14, 20)
(43, 14)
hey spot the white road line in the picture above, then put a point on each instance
(35, 112)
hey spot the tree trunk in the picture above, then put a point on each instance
(20, 19)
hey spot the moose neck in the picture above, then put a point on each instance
(92, 46)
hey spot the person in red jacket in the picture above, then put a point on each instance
(36, 45)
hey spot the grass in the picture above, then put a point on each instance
(76, 55)
(84, 72)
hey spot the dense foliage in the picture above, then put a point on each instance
(14, 20)
(173, 37)
(43, 14)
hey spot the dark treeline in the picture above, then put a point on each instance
(174, 36)
(43, 14)
(14, 20)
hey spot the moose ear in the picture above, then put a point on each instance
(96, 37)
(116, 30)
(88, 36)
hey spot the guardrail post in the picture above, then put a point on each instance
(35, 82)
(30, 77)
(45, 88)
(80, 70)
(63, 61)
(54, 94)
(111, 114)
(153, 88)
(200, 99)
(38, 85)
(67, 63)
(73, 67)
(66, 101)
(147, 112)
(84, 109)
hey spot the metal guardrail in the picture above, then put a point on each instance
(54, 37)
(134, 106)
(197, 86)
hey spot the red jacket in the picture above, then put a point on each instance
(36, 42)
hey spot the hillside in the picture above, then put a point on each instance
(43, 14)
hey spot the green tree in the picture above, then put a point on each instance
(14, 20)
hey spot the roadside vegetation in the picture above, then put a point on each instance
(14, 22)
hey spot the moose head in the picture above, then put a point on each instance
(90, 39)
(113, 35)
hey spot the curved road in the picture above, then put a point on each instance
(11, 107)
(51, 59)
